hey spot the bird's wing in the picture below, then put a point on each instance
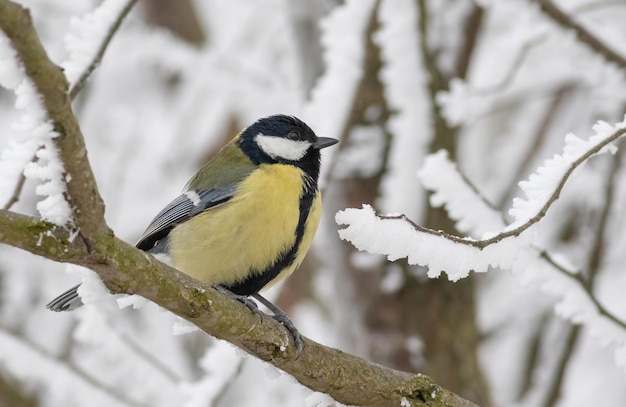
(181, 209)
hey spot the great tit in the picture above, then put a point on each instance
(246, 220)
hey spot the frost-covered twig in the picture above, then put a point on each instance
(584, 284)
(584, 35)
(488, 217)
(116, 17)
(50, 84)
(397, 237)
(527, 212)
(518, 227)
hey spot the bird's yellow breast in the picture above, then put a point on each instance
(249, 232)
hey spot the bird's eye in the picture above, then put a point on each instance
(293, 135)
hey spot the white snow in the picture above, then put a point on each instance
(86, 35)
(32, 137)
(543, 184)
(183, 327)
(35, 127)
(470, 211)
(91, 290)
(332, 98)
(133, 301)
(406, 91)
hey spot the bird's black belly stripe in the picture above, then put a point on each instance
(259, 279)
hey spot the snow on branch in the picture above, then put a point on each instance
(405, 87)
(544, 186)
(89, 39)
(33, 136)
(388, 234)
(473, 214)
(511, 248)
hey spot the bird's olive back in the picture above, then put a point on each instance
(230, 165)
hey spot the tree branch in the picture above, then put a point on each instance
(125, 269)
(52, 85)
(471, 34)
(596, 45)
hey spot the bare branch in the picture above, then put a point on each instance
(585, 286)
(101, 50)
(561, 18)
(471, 34)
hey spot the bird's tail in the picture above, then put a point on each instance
(67, 301)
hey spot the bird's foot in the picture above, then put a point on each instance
(244, 299)
(281, 316)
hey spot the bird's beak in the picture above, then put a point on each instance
(323, 142)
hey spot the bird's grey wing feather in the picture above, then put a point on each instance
(67, 301)
(181, 209)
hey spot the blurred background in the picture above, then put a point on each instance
(498, 84)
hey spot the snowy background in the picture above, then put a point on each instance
(536, 319)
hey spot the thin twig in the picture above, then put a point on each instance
(76, 88)
(514, 68)
(16, 193)
(596, 45)
(585, 286)
(560, 95)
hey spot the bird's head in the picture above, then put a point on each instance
(285, 140)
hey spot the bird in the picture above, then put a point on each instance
(246, 219)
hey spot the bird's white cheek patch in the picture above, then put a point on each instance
(278, 147)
